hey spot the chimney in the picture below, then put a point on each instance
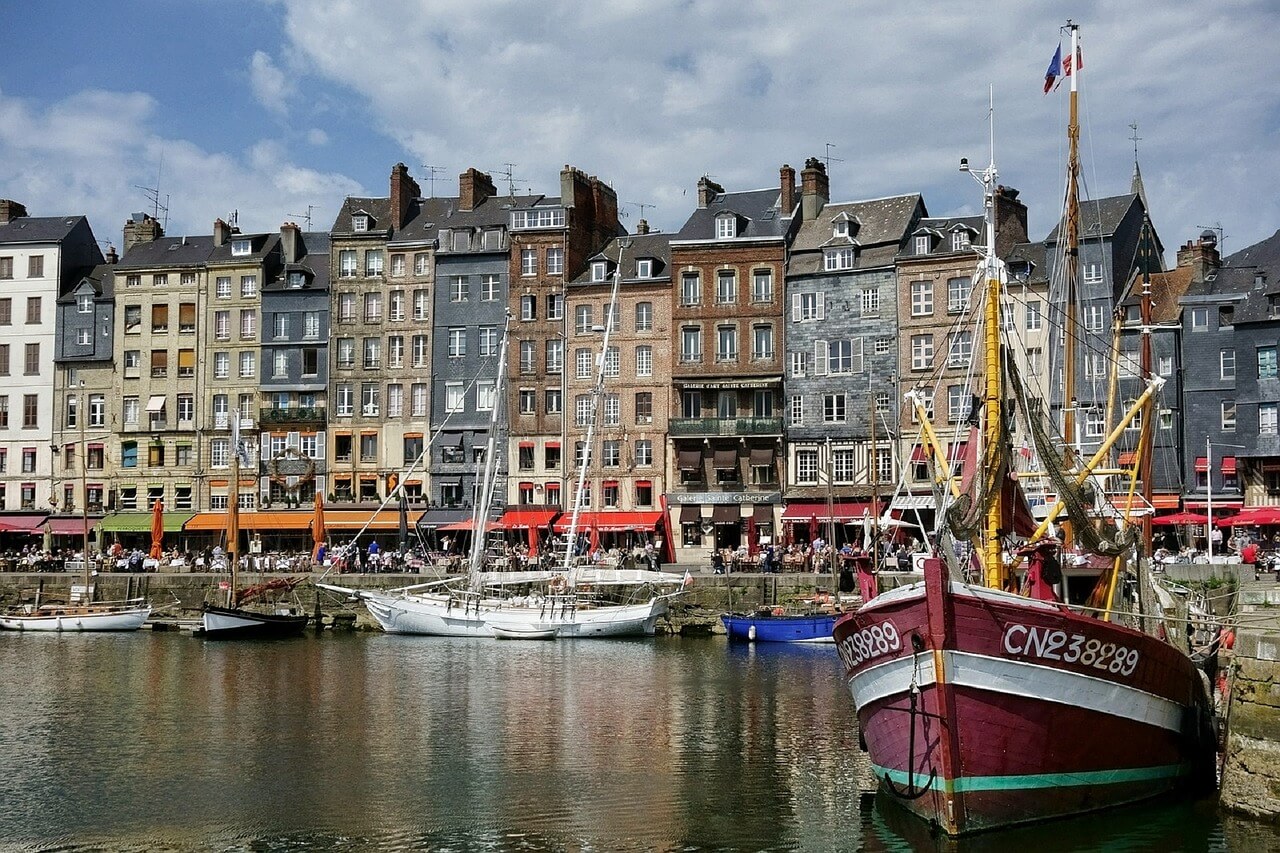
(474, 187)
(1011, 220)
(707, 190)
(404, 190)
(787, 200)
(141, 228)
(815, 189)
(221, 231)
(1201, 255)
(642, 227)
(289, 242)
(11, 210)
(111, 256)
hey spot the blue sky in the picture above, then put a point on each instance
(268, 106)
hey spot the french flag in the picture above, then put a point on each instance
(1059, 67)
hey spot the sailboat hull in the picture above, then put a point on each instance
(982, 709)
(226, 623)
(787, 628)
(73, 619)
(441, 616)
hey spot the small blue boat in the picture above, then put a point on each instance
(766, 627)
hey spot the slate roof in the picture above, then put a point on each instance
(1100, 217)
(38, 229)
(1257, 304)
(174, 251)
(378, 209)
(1035, 253)
(313, 258)
(757, 209)
(425, 219)
(882, 229)
(261, 245)
(655, 245)
(1265, 255)
(101, 279)
(1223, 281)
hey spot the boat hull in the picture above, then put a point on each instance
(440, 615)
(75, 619)
(982, 709)
(787, 628)
(226, 623)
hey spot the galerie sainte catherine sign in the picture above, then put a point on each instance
(725, 498)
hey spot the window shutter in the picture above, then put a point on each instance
(795, 307)
(855, 346)
(820, 353)
(822, 301)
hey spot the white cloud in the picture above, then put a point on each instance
(90, 152)
(270, 86)
(649, 96)
(317, 137)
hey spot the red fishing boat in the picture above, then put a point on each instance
(983, 698)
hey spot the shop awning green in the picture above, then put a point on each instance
(140, 522)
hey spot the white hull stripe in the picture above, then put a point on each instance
(1034, 781)
(916, 590)
(1017, 678)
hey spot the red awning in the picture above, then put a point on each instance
(528, 444)
(1202, 463)
(611, 522)
(63, 526)
(844, 511)
(1228, 465)
(21, 523)
(1126, 458)
(918, 455)
(524, 519)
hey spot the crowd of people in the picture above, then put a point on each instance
(817, 556)
(1251, 547)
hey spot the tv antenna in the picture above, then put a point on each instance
(1222, 236)
(508, 174)
(829, 159)
(432, 171)
(305, 217)
(153, 196)
(642, 205)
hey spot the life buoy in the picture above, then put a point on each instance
(557, 583)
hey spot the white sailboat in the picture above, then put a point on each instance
(573, 602)
(86, 614)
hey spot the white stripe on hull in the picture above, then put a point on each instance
(432, 615)
(1017, 678)
(215, 621)
(117, 620)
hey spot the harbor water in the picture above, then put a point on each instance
(162, 741)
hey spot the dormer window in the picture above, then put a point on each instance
(297, 280)
(84, 303)
(360, 222)
(599, 269)
(838, 259)
(240, 248)
(840, 229)
(959, 241)
(644, 268)
(726, 226)
(922, 244)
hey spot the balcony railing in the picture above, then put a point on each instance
(293, 416)
(697, 427)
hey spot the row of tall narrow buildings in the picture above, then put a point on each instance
(755, 371)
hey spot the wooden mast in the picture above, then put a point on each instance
(233, 508)
(1072, 257)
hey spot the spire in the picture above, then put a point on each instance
(1135, 186)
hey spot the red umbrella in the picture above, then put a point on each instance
(813, 528)
(317, 527)
(157, 529)
(1181, 518)
(751, 536)
(1251, 516)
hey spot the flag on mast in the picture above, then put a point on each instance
(1055, 69)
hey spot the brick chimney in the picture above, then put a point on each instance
(642, 227)
(707, 190)
(111, 256)
(221, 231)
(815, 189)
(787, 198)
(290, 241)
(1201, 255)
(1011, 220)
(474, 187)
(11, 210)
(141, 228)
(404, 190)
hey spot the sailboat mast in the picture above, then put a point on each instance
(1072, 257)
(1144, 366)
(993, 391)
(233, 508)
(488, 486)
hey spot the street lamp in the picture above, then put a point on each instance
(1208, 490)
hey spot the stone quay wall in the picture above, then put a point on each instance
(1251, 772)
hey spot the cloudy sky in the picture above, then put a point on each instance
(276, 107)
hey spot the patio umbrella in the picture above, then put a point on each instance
(404, 524)
(813, 527)
(1254, 515)
(317, 527)
(1181, 518)
(751, 536)
(157, 529)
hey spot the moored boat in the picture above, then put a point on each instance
(92, 616)
(766, 626)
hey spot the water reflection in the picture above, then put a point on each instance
(165, 742)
